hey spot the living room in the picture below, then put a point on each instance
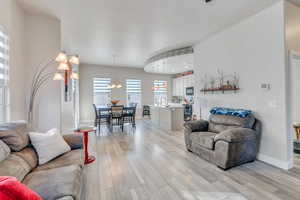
(129, 100)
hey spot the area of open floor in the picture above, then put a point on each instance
(148, 163)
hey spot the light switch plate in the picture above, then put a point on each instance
(265, 86)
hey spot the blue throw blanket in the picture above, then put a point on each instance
(229, 111)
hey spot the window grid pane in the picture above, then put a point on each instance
(102, 93)
(4, 76)
(160, 89)
(133, 90)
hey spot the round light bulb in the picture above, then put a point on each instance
(74, 60)
(119, 86)
(58, 77)
(61, 57)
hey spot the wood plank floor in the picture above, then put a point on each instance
(147, 163)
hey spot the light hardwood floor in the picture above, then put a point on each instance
(148, 163)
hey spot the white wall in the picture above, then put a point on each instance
(12, 21)
(5, 9)
(33, 39)
(43, 43)
(255, 50)
(292, 15)
(88, 72)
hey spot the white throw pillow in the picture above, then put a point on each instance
(48, 145)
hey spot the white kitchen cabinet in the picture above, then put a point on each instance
(192, 81)
(181, 83)
(184, 80)
(174, 87)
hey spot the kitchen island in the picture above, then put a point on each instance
(170, 118)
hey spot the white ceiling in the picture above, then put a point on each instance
(134, 30)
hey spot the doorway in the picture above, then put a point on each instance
(294, 71)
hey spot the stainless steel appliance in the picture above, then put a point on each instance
(188, 112)
(189, 91)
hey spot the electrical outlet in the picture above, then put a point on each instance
(273, 104)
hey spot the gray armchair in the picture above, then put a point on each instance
(225, 140)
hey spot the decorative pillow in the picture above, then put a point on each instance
(15, 135)
(48, 145)
(12, 189)
(229, 111)
(4, 151)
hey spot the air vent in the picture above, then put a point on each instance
(207, 1)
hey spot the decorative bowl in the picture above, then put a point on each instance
(114, 102)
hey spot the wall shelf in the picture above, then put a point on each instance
(223, 90)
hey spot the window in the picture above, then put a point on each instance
(160, 89)
(102, 93)
(4, 77)
(133, 90)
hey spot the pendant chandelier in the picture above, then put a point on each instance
(115, 84)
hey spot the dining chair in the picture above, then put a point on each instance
(129, 115)
(97, 119)
(117, 117)
(104, 116)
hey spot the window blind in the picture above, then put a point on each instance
(4, 76)
(133, 86)
(101, 85)
(4, 59)
(133, 89)
(102, 93)
(160, 86)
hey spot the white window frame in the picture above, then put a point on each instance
(134, 89)
(4, 76)
(102, 89)
(161, 92)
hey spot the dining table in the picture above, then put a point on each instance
(128, 114)
(108, 108)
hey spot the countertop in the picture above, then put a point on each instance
(169, 106)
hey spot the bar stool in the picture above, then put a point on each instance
(146, 110)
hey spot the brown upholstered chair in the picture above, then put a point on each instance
(225, 140)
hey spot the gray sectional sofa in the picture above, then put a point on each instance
(59, 179)
(224, 140)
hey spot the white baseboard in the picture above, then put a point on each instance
(286, 165)
(86, 121)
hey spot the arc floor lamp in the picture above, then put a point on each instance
(64, 72)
